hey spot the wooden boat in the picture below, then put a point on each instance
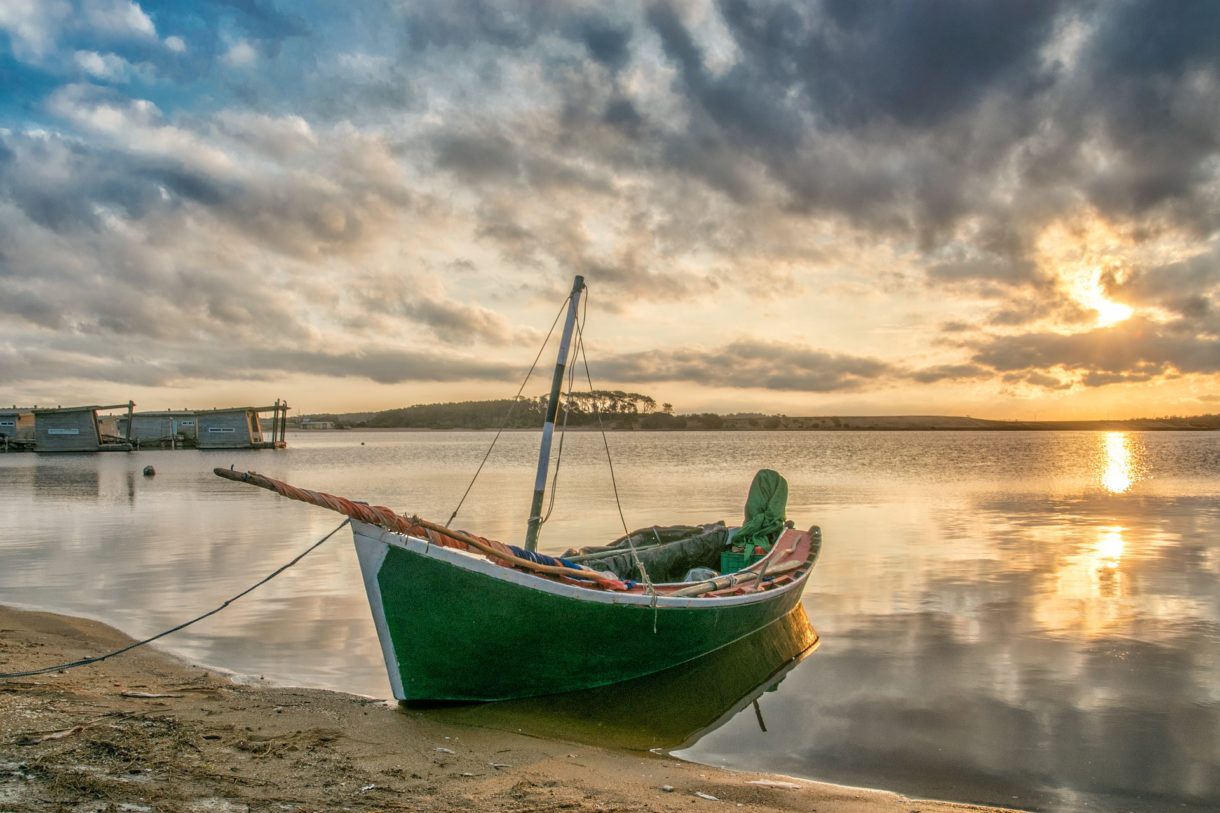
(460, 617)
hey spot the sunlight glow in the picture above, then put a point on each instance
(1089, 292)
(1116, 476)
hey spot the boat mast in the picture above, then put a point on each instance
(552, 408)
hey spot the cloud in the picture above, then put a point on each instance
(1133, 350)
(384, 299)
(1189, 287)
(678, 155)
(271, 178)
(106, 67)
(152, 229)
(950, 372)
(240, 54)
(183, 365)
(36, 28)
(119, 17)
(748, 364)
(33, 25)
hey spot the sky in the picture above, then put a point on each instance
(995, 209)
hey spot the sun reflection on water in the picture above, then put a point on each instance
(1108, 553)
(1089, 591)
(1116, 476)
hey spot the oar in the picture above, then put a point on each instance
(602, 554)
(734, 579)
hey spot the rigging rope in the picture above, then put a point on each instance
(635, 557)
(580, 345)
(508, 415)
(99, 658)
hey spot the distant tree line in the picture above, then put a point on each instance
(616, 409)
(621, 410)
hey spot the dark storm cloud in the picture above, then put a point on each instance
(913, 63)
(763, 365)
(1153, 70)
(857, 113)
(607, 42)
(908, 121)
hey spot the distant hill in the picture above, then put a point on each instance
(941, 422)
(620, 410)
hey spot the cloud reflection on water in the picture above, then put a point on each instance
(996, 622)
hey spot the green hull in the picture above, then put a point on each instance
(667, 711)
(455, 627)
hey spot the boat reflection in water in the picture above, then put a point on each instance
(668, 710)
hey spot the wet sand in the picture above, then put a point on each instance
(148, 732)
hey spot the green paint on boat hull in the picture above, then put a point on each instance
(668, 710)
(463, 635)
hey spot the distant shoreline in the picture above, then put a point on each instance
(897, 423)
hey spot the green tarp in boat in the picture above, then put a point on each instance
(765, 507)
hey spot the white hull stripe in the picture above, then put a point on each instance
(375, 535)
(371, 554)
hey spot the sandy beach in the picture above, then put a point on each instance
(149, 732)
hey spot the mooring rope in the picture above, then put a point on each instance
(99, 658)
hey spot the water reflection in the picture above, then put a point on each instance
(1116, 476)
(669, 710)
(1029, 615)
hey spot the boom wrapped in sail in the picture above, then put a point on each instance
(380, 515)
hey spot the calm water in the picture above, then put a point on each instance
(1028, 619)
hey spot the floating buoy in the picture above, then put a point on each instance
(149, 471)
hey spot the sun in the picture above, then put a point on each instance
(1087, 289)
(1086, 255)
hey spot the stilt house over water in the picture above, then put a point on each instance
(77, 429)
(241, 428)
(166, 428)
(16, 427)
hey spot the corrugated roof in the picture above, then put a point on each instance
(91, 408)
